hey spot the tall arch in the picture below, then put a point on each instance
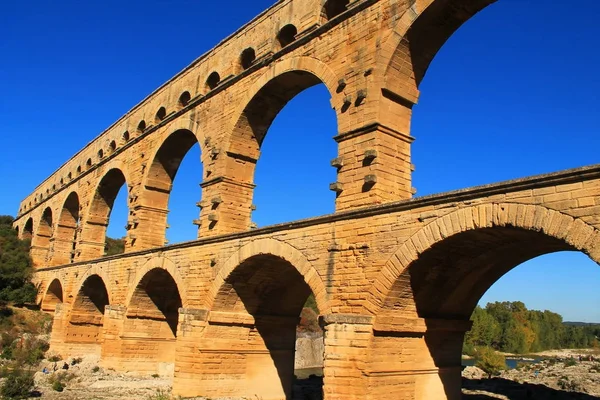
(256, 309)
(150, 326)
(98, 214)
(40, 245)
(236, 158)
(159, 183)
(52, 297)
(421, 32)
(67, 227)
(431, 285)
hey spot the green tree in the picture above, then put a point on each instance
(114, 246)
(15, 265)
(490, 361)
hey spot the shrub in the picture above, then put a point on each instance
(59, 380)
(17, 385)
(154, 375)
(570, 362)
(95, 369)
(55, 358)
(160, 395)
(58, 386)
(76, 361)
(490, 362)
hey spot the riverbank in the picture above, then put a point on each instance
(554, 379)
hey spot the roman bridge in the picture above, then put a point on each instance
(395, 278)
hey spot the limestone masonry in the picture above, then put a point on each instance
(395, 278)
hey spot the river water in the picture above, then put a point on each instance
(511, 363)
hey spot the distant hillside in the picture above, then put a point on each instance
(589, 324)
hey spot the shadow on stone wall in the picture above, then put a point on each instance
(515, 391)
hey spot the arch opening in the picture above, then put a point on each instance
(67, 230)
(184, 99)
(178, 157)
(141, 128)
(40, 247)
(333, 8)
(262, 301)
(111, 190)
(287, 35)
(28, 229)
(247, 58)
(87, 316)
(160, 115)
(296, 106)
(439, 291)
(112, 146)
(213, 80)
(53, 297)
(151, 323)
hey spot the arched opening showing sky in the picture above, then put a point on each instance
(513, 93)
(565, 282)
(294, 172)
(119, 215)
(186, 193)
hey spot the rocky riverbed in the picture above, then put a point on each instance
(555, 379)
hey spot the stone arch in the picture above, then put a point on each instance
(255, 306)
(275, 248)
(175, 144)
(159, 263)
(561, 232)
(310, 69)
(53, 295)
(27, 232)
(425, 294)
(97, 215)
(40, 246)
(250, 123)
(152, 317)
(84, 329)
(421, 31)
(66, 231)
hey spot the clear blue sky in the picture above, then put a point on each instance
(514, 92)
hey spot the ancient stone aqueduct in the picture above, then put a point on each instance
(395, 278)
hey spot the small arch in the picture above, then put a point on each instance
(79, 170)
(247, 58)
(184, 99)
(62, 182)
(53, 297)
(125, 137)
(28, 229)
(213, 80)
(88, 163)
(333, 8)
(141, 126)
(160, 114)
(287, 35)
(70, 175)
(54, 187)
(47, 191)
(112, 146)
(100, 154)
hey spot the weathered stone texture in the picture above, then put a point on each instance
(395, 279)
